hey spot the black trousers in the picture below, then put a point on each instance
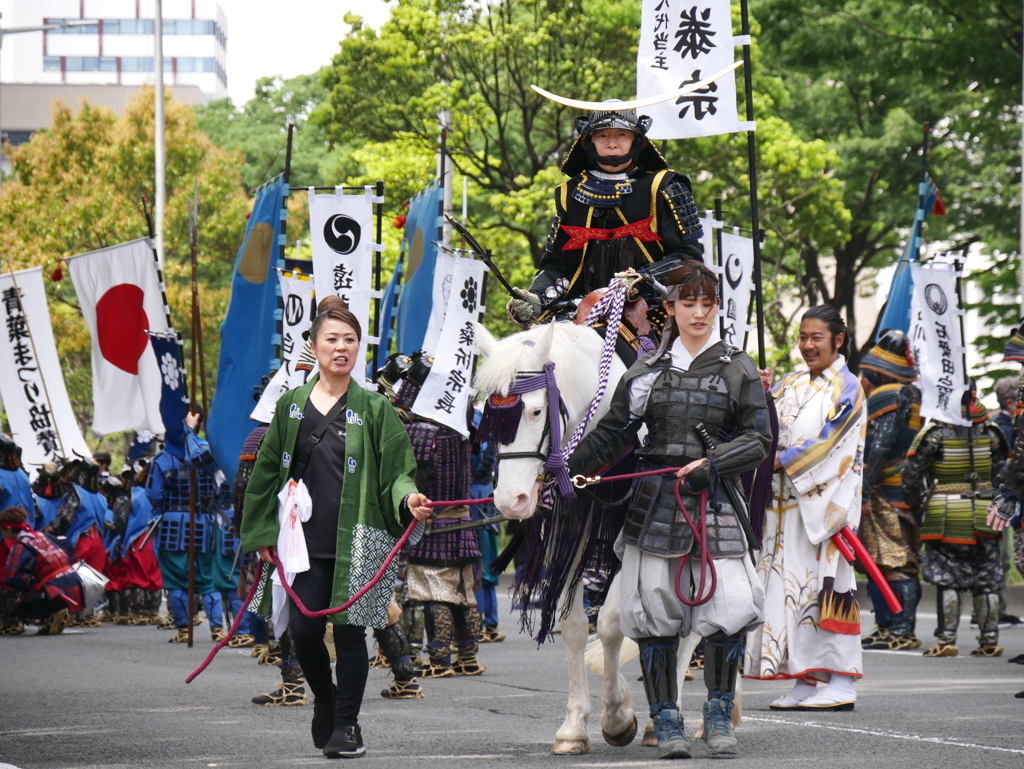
(314, 588)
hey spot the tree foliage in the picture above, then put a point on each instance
(78, 186)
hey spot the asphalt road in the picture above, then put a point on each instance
(116, 697)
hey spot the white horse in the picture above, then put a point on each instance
(576, 353)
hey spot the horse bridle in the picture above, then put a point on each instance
(555, 460)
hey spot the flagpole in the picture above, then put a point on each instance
(156, 258)
(32, 341)
(748, 84)
(160, 140)
(972, 476)
(379, 301)
(921, 195)
(721, 274)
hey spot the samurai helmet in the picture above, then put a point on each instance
(582, 154)
(412, 381)
(387, 377)
(49, 482)
(85, 472)
(10, 453)
(112, 488)
(890, 357)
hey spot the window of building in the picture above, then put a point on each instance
(51, 64)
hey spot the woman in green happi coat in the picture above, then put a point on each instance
(360, 478)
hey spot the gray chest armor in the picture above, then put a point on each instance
(678, 402)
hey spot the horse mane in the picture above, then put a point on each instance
(521, 352)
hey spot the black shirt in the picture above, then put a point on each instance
(324, 477)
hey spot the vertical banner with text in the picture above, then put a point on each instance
(341, 228)
(736, 266)
(445, 394)
(683, 42)
(936, 339)
(32, 387)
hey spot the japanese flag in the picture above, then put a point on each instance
(121, 298)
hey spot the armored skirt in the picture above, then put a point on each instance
(812, 614)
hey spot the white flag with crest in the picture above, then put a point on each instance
(445, 394)
(736, 266)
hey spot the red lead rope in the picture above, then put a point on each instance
(394, 553)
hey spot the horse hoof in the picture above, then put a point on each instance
(621, 740)
(650, 741)
(571, 747)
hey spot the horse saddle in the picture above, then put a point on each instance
(635, 321)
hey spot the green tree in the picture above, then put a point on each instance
(259, 129)
(78, 186)
(472, 65)
(865, 76)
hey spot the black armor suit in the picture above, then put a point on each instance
(719, 394)
(607, 222)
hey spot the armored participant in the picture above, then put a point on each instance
(83, 519)
(891, 533)
(168, 491)
(439, 573)
(705, 410)
(621, 207)
(15, 488)
(948, 480)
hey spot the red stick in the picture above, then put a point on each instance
(870, 566)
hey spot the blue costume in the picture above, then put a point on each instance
(168, 491)
(482, 487)
(16, 490)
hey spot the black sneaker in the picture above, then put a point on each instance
(346, 742)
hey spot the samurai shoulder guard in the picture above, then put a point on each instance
(683, 208)
(549, 244)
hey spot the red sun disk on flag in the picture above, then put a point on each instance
(121, 325)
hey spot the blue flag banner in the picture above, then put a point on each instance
(174, 399)
(388, 310)
(416, 297)
(249, 327)
(896, 314)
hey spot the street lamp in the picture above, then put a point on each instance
(41, 28)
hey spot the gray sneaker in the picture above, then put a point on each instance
(718, 729)
(668, 730)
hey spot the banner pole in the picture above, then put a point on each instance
(972, 476)
(748, 84)
(32, 341)
(716, 259)
(379, 301)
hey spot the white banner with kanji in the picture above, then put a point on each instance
(444, 274)
(341, 230)
(121, 298)
(683, 42)
(736, 268)
(936, 340)
(299, 309)
(445, 394)
(39, 412)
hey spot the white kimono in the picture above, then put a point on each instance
(812, 615)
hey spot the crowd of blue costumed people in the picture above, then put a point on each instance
(82, 545)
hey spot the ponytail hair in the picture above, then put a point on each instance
(830, 316)
(333, 308)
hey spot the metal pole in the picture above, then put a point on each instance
(712, 257)
(919, 216)
(972, 476)
(160, 141)
(446, 181)
(378, 303)
(748, 84)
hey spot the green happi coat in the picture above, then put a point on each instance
(381, 472)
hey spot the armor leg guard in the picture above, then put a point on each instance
(658, 664)
(468, 626)
(722, 658)
(177, 605)
(213, 604)
(986, 610)
(878, 604)
(392, 642)
(440, 629)
(908, 592)
(949, 614)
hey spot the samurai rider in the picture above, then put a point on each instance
(948, 481)
(622, 207)
(168, 491)
(440, 571)
(704, 407)
(890, 532)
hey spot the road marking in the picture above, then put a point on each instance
(885, 733)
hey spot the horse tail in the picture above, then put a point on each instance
(593, 655)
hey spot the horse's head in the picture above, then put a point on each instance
(521, 422)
